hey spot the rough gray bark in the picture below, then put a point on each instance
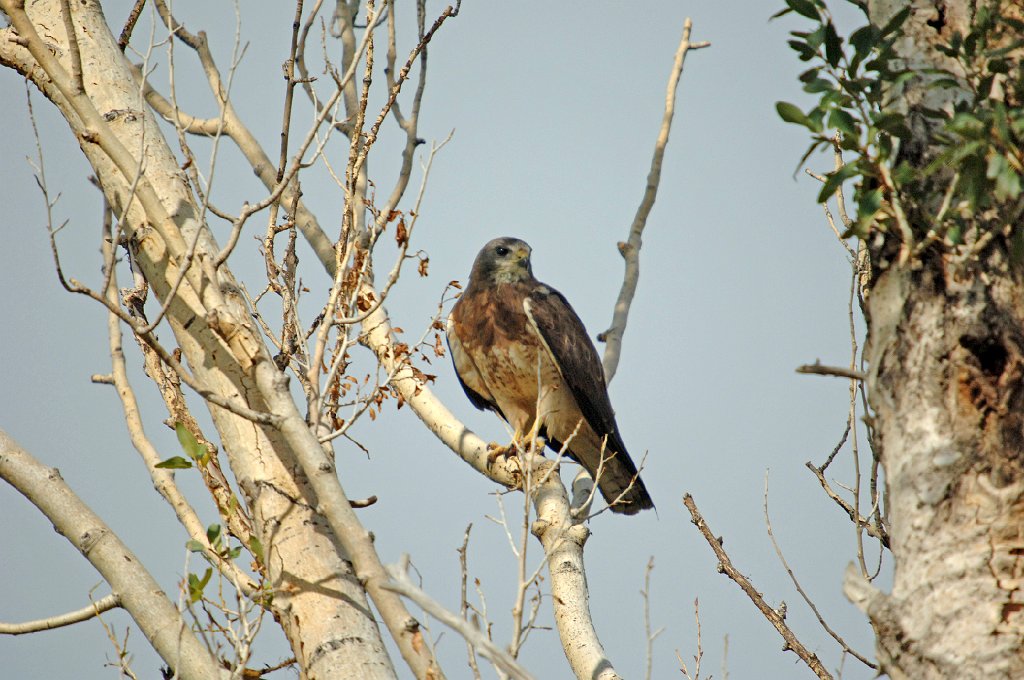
(946, 358)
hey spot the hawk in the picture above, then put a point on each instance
(521, 351)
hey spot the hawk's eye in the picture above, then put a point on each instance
(502, 251)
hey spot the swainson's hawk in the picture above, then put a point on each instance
(513, 339)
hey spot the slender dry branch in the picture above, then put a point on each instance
(138, 592)
(796, 583)
(101, 605)
(648, 633)
(699, 656)
(630, 249)
(129, 24)
(775, 617)
(464, 602)
(875, 530)
(837, 371)
(401, 584)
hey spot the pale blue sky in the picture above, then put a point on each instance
(555, 108)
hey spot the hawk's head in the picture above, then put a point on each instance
(503, 260)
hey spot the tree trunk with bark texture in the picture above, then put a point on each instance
(946, 386)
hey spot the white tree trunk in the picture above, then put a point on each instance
(319, 602)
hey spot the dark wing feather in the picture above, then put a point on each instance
(567, 339)
(570, 346)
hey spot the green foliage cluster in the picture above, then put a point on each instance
(975, 158)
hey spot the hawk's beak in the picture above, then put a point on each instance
(522, 254)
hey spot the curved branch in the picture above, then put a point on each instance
(137, 590)
(104, 604)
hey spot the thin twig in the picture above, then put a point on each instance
(129, 24)
(875, 531)
(464, 602)
(649, 636)
(837, 371)
(799, 589)
(401, 584)
(776, 618)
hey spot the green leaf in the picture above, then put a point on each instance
(807, 154)
(844, 122)
(174, 463)
(868, 205)
(809, 75)
(864, 40)
(213, 534)
(896, 22)
(805, 51)
(791, 113)
(815, 117)
(196, 585)
(189, 445)
(819, 85)
(835, 179)
(955, 234)
(256, 548)
(816, 37)
(893, 123)
(192, 545)
(1007, 181)
(804, 8)
(1008, 185)
(833, 45)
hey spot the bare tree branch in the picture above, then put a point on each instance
(101, 605)
(837, 371)
(810, 603)
(630, 249)
(775, 617)
(401, 584)
(137, 591)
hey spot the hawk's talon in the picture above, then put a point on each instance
(496, 451)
